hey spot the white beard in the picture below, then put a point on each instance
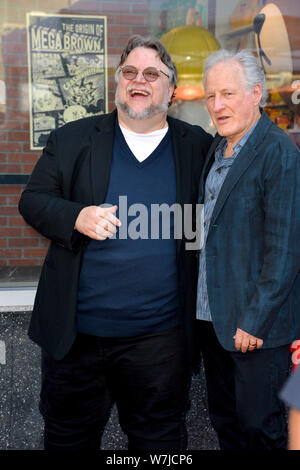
(147, 113)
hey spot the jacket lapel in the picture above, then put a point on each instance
(180, 149)
(239, 166)
(101, 155)
(207, 166)
(245, 157)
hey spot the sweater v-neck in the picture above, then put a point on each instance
(127, 152)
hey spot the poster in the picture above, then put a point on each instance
(67, 66)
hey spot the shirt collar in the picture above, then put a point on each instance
(220, 150)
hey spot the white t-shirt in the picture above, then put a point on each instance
(142, 145)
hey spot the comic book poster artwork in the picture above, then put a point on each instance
(67, 71)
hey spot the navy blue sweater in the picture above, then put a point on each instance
(128, 284)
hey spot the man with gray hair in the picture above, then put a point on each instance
(112, 313)
(249, 283)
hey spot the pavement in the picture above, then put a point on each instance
(21, 423)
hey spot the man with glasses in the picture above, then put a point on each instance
(114, 310)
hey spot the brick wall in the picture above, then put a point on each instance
(20, 245)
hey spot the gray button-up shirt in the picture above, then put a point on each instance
(213, 185)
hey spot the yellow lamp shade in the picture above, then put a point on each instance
(189, 46)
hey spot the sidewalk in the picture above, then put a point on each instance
(21, 423)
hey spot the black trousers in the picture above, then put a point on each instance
(242, 390)
(146, 376)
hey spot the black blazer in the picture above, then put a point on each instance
(72, 173)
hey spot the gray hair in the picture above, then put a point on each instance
(253, 72)
(149, 43)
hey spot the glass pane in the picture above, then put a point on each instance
(58, 60)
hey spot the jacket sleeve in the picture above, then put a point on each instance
(281, 262)
(45, 206)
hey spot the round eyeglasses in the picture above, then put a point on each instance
(150, 74)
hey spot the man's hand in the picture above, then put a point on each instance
(245, 342)
(97, 222)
